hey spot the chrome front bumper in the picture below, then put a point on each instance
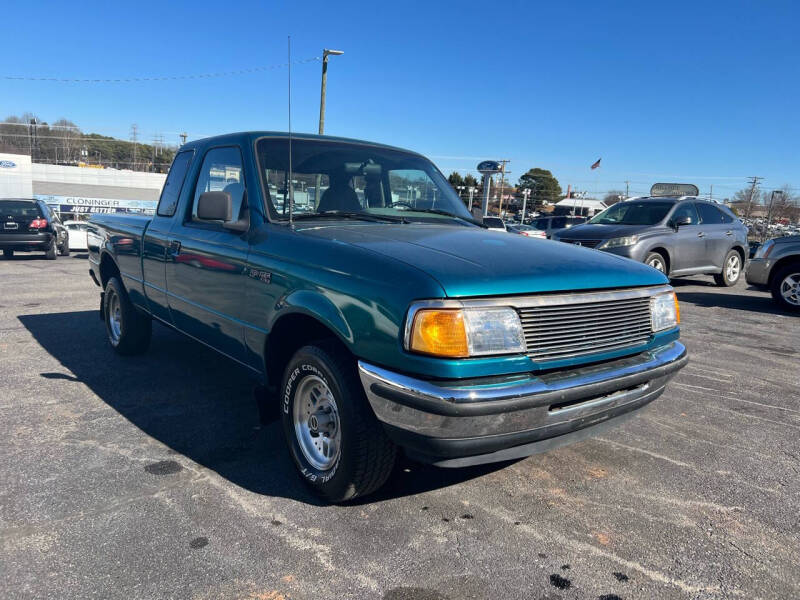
(503, 418)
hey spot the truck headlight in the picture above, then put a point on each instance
(664, 312)
(628, 240)
(465, 332)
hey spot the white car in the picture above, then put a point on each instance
(77, 234)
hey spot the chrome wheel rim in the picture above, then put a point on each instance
(656, 263)
(316, 423)
(732, 268)
(114, 319)
(790, 289)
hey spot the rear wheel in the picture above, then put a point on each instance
(50, 253)
(656, 260)
(128, 329)
(338, 446)
(731, 270)
(8, 253)
(785, 287)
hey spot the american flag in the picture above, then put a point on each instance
(597, 164)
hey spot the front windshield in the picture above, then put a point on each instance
(339, 177)
(632, 212)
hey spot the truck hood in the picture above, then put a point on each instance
(470, 261)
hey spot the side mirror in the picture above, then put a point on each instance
(682, 221)
(215, 206)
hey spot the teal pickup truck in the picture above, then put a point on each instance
(351, 279)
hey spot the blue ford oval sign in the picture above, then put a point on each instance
(489, 166)
(7, 164)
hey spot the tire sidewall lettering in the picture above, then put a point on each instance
(298, 373)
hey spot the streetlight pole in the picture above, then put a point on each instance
(325, 54)
(323, 90)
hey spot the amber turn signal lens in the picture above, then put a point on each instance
(677, 309)
(439, 333)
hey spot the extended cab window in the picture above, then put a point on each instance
(222, 171)
(173, 184)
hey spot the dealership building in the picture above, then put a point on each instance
(73, 191)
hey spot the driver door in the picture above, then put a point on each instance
(689, 240)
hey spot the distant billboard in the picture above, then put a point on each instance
(77, 204)
(674, 189)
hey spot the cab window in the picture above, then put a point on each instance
(222, 171)
(173, 184)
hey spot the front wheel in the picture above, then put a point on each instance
(655, 260)
(785, 287)
(128, 329)
(64, 251)
(50, 253)
(337, 444)
(731, 270)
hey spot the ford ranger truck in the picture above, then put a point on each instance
(354, 283)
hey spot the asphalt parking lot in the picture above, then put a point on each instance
(150, 477)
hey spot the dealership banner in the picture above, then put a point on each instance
(77, 204)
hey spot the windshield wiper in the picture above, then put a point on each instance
(436, 211)
(343, 214)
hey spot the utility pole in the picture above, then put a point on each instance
(627, 189)
(471, 191)
(135, 139)
(183, 137)
(753, 183)
(711, 193)
(502, 183)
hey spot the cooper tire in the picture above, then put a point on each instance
(782, 279)
(127, 329)
(731, 270)
(657, 261)
(321, 384)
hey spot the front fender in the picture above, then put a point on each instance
(317, 305)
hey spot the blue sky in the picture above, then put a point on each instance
(707, 92)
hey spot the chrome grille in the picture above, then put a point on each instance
(586, 243)
(567, 326)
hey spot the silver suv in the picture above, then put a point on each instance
(776, 266)
(677, 235)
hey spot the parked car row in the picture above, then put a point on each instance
(685, 235)
(31, 226)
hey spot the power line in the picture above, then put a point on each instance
(161, 77)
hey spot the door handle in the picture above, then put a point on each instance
(701, 234)
(729, 232)
(175, 247)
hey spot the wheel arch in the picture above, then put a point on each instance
(108, 269)
(664, 252)
(782, 262)
(290, 332)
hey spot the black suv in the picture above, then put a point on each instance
(30, 225)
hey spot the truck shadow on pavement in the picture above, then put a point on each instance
(201, 405)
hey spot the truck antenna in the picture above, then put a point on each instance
(291, 186)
